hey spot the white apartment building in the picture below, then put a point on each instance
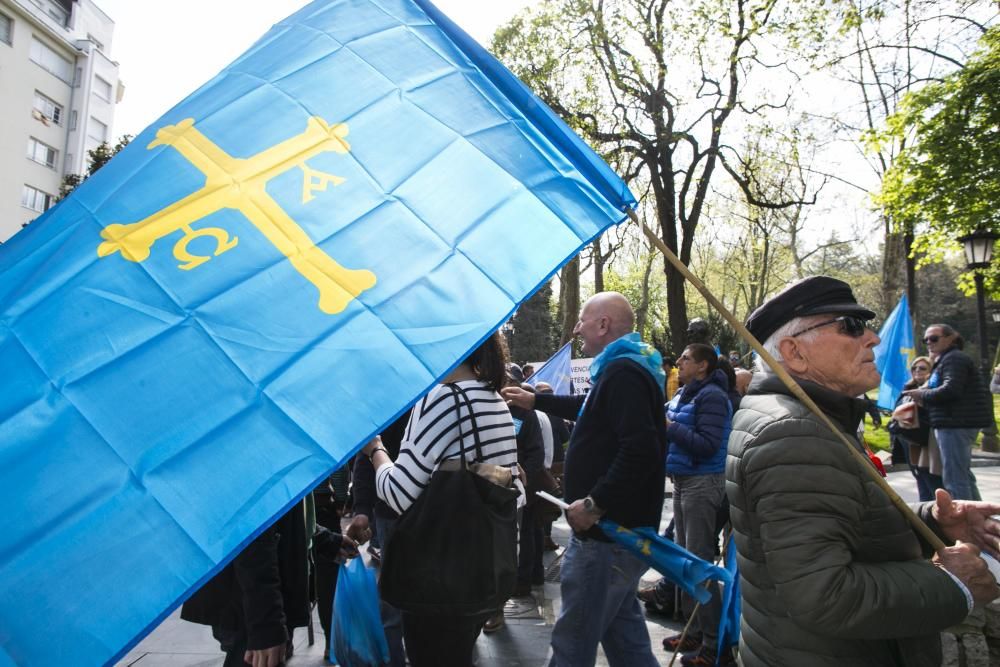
(58, 90)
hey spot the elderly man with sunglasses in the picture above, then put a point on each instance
(831, 572)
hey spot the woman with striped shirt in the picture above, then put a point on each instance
(440, 427)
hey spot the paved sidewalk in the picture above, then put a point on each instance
(524, 642)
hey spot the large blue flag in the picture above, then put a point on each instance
(258, 283)
(731, 607)
(894, 354)
(557, 371)
(668, 558)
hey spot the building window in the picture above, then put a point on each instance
(42, 153)
(97, 131)
(6, 29)
(46, 110)
(36, 200)
(49, 60)
(102, 89)
(57, 13)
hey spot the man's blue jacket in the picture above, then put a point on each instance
(701, 417)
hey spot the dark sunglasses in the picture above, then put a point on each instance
(849, 325)
(923, 369)
(931, 339)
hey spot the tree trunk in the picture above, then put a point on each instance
(642, 308)
(911, 283)
(569, 298)
(598, 266)
(676, 308)
(894, 270)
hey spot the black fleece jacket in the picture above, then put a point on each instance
(617, 451)
(960, 398)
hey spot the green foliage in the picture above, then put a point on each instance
(946, 182)
(534, 336)
(97, 158)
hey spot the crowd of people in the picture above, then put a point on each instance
(830, 571)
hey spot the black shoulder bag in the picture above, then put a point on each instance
(454, 551)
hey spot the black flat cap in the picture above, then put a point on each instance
(810, 296)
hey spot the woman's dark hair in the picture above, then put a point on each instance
(949, 330)
(489, 361)
(726, 367)
(701, 352)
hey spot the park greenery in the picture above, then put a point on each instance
(769, 140)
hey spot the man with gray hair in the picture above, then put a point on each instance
(831, 572)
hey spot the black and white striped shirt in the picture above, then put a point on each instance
(432, 436)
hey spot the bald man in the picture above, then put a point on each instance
(615, 468)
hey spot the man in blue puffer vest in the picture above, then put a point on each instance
(699, 418)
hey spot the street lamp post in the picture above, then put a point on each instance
(978, 254)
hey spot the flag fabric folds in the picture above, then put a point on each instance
(894, 354)
(729, 617)
(672, 561)
(556, 371)
(259, 282)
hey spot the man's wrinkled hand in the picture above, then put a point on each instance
(266, 657)
(358, 529)
(579, 519)
(518, 397)
(963, 561)
(968, 521)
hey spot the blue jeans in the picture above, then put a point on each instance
(956, 461)
(599, 605)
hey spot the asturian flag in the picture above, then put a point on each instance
(557, 371)
(894, 354)
(264, 278)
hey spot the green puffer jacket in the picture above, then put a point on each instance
(831, 573)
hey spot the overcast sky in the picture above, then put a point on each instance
(164, 55)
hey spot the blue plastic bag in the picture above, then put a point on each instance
(357, 638)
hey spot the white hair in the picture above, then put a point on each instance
(772, 344)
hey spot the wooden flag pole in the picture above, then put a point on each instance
(918, 525)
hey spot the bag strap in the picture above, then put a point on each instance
(456, 392)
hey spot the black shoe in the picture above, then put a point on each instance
(690, 643)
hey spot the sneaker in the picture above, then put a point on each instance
(648, 594)
(654, 602)
(494, 623)
(706, 657)
(689, 643)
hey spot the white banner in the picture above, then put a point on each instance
(580, 371)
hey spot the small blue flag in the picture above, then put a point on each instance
(669, 559)
(257, 284)
(894, 354)
(729, 618)
(557, 371)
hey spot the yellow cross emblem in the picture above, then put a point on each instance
(910, 354)
(240, 184)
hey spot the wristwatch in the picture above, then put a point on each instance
(591, 507)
